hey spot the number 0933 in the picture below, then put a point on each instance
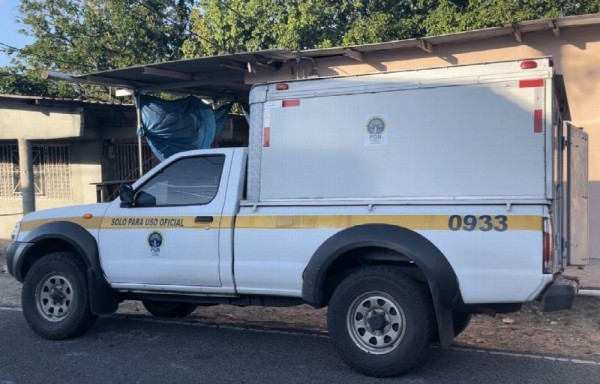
(484, 223)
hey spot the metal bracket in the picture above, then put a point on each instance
(425, 45)
(555, 28)
(356, 55)
(517, 33)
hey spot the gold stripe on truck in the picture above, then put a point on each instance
(94, 222)
(415, 222)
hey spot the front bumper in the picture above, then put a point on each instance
(14, 258)
(559, 295)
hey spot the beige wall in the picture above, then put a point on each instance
(39, 122)
(84, 126)
(85, 169)
(576, 54)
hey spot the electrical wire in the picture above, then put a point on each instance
(158, 13)
(24, 53)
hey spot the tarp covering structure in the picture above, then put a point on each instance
(179, 125)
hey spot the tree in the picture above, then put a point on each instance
(88, 36)
(17, 80)
(98, 35)
(94, 35)
(449, 16)
(227, 26)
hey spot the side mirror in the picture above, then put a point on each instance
(126, 195)
(145, 200)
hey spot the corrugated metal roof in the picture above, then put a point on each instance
(224, 75)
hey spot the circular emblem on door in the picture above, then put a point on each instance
(155, 240)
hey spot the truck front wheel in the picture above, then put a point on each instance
(168, 309)
(380, 321)
(55, 297)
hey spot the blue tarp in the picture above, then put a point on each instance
(180, 125)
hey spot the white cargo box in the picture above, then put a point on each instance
(465, 132)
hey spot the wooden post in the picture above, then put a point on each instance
(26, 175)
(138, 111)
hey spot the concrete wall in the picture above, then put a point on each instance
(39, 122)
(576, 54)
(85, 169)
(84, 127)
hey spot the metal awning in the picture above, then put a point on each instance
(217, 76)
(223, 76)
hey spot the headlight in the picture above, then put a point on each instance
(15, 232)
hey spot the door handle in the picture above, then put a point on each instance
(203, 219)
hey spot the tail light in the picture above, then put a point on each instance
(548, 246)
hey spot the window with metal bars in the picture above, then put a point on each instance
(51, 171)
(127, 161)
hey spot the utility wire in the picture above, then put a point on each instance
(158, 13)
(222, 2)
(5, 48)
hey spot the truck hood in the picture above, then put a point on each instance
(89, 216)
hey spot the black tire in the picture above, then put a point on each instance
(168, 309)
(461, 320)
(380, 321)
(55, 297)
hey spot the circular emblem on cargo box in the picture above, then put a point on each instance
(376, 132)
(375, 125)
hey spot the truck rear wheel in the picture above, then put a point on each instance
(168, 309)
(55, 297)
(380, 321)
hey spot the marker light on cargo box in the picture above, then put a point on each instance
(529, 64)
(290, 103)
(282, 86)
(538, 120)
(531, 83)
(266, 137)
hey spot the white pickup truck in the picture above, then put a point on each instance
(404, 201)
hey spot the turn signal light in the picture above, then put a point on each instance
(282, 86)
(88, 216)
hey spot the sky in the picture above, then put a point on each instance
(9, 28)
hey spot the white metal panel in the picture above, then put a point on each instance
(492, 267)
(255, 150)
(233, 195)
(458, 141)
(410, 79)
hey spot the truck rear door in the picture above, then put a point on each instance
(577, 228)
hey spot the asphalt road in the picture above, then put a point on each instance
(139, 349)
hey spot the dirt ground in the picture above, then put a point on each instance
(574, 333)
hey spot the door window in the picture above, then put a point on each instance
(189, 181)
